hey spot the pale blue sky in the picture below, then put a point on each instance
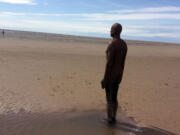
(153, 20)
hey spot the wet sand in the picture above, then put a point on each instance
(43, 78)
(71, 123)
(28, 123)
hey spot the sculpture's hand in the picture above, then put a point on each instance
(103, 84)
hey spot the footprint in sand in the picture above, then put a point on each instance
(69, 77)
(74, 73)
(132, 118)
(55, 90)
(166, 84)
(52, 95)
(87, 82)
(176, 86)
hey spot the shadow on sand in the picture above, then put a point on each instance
(71, 123)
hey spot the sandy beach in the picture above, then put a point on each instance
(63, 76)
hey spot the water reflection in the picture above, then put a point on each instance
(73, 123)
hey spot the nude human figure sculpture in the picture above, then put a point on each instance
(116, 56)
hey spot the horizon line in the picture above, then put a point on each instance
(84, 36)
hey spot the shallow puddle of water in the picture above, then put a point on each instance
(73, 123)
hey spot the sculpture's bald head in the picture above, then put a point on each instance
(116, 30)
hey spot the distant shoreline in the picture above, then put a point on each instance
(20, 34)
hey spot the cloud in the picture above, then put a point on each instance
(36, 14)
(150, 10)
(100, 23)
(154, 27)
(57, 26)
(141, 16)
(161, 31)
(12, 14)
(161, 9)
(160, 34)
(80, 28)
(112, 4)
(27, 2)
(104, 16)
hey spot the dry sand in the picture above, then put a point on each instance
(56, 76)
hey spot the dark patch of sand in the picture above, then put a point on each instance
(71, 123)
